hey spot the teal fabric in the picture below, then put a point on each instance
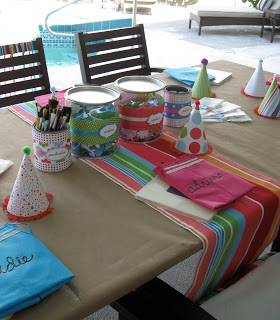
(28, 270)
(187, 75)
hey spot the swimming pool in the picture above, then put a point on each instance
(61, 57)
(61, 50)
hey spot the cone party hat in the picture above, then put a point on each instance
(28, 201)
(270, 106)
(201, 87)
(192, 139)
(53, 96)
(256, 87)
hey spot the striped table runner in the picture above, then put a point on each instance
(235, 237)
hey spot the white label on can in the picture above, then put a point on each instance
(155, 118)
(185, 110)
(108, 130)
(57, 154)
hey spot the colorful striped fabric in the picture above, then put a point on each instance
(235, 237)
(270, 106)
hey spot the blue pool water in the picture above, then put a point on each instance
(61, 57)
(61, 50)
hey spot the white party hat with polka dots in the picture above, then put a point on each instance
(192, 139)
(28, 200)
(256, 86)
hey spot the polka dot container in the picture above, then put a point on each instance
(52, 149)
(177, 105)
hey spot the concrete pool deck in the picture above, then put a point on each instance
(171, 44)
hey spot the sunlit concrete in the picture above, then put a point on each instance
(172, 44)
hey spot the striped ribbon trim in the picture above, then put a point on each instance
(183, 165)
(86, 133)
(16, 48)
(7, 235)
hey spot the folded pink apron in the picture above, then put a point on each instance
(203, 182)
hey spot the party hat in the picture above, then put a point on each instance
(28, 201)
(270, 106)
(53, 96)
(53, 101)
(192, 139)
(201, 87)
(269, 81)
(256, 87)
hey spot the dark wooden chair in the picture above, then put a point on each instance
(158, 300)
(105, 56)
(23, 74)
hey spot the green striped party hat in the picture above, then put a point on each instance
(270, 106)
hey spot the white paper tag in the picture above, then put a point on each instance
(108, 130)
(155, 118)
(57, 154)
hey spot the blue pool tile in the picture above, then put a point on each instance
(53, 28)
(105, 25)
(120, 23)
(83, 27)
(89, 27)
(97, 26)
(60, 28)
(74, 27)
(77, 27)
(127, 22)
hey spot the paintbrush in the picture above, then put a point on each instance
(52, 118)
(67, 110)
(37, 115)
(56, 117)
(47, 120)
(60, 120)
(53, 103)
(64, 120)
(45, 112)
(40, 118)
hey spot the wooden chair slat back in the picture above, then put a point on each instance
(105, 56)
(23, 72)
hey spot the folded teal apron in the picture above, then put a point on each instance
(28, 270)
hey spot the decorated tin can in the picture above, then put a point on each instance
(94, 121)
(52, 149)
(177, 105)
(141, 108)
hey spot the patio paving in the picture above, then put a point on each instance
(171, 44)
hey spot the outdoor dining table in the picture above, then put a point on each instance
(110, 241)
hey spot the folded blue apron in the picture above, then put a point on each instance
(28, 270)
